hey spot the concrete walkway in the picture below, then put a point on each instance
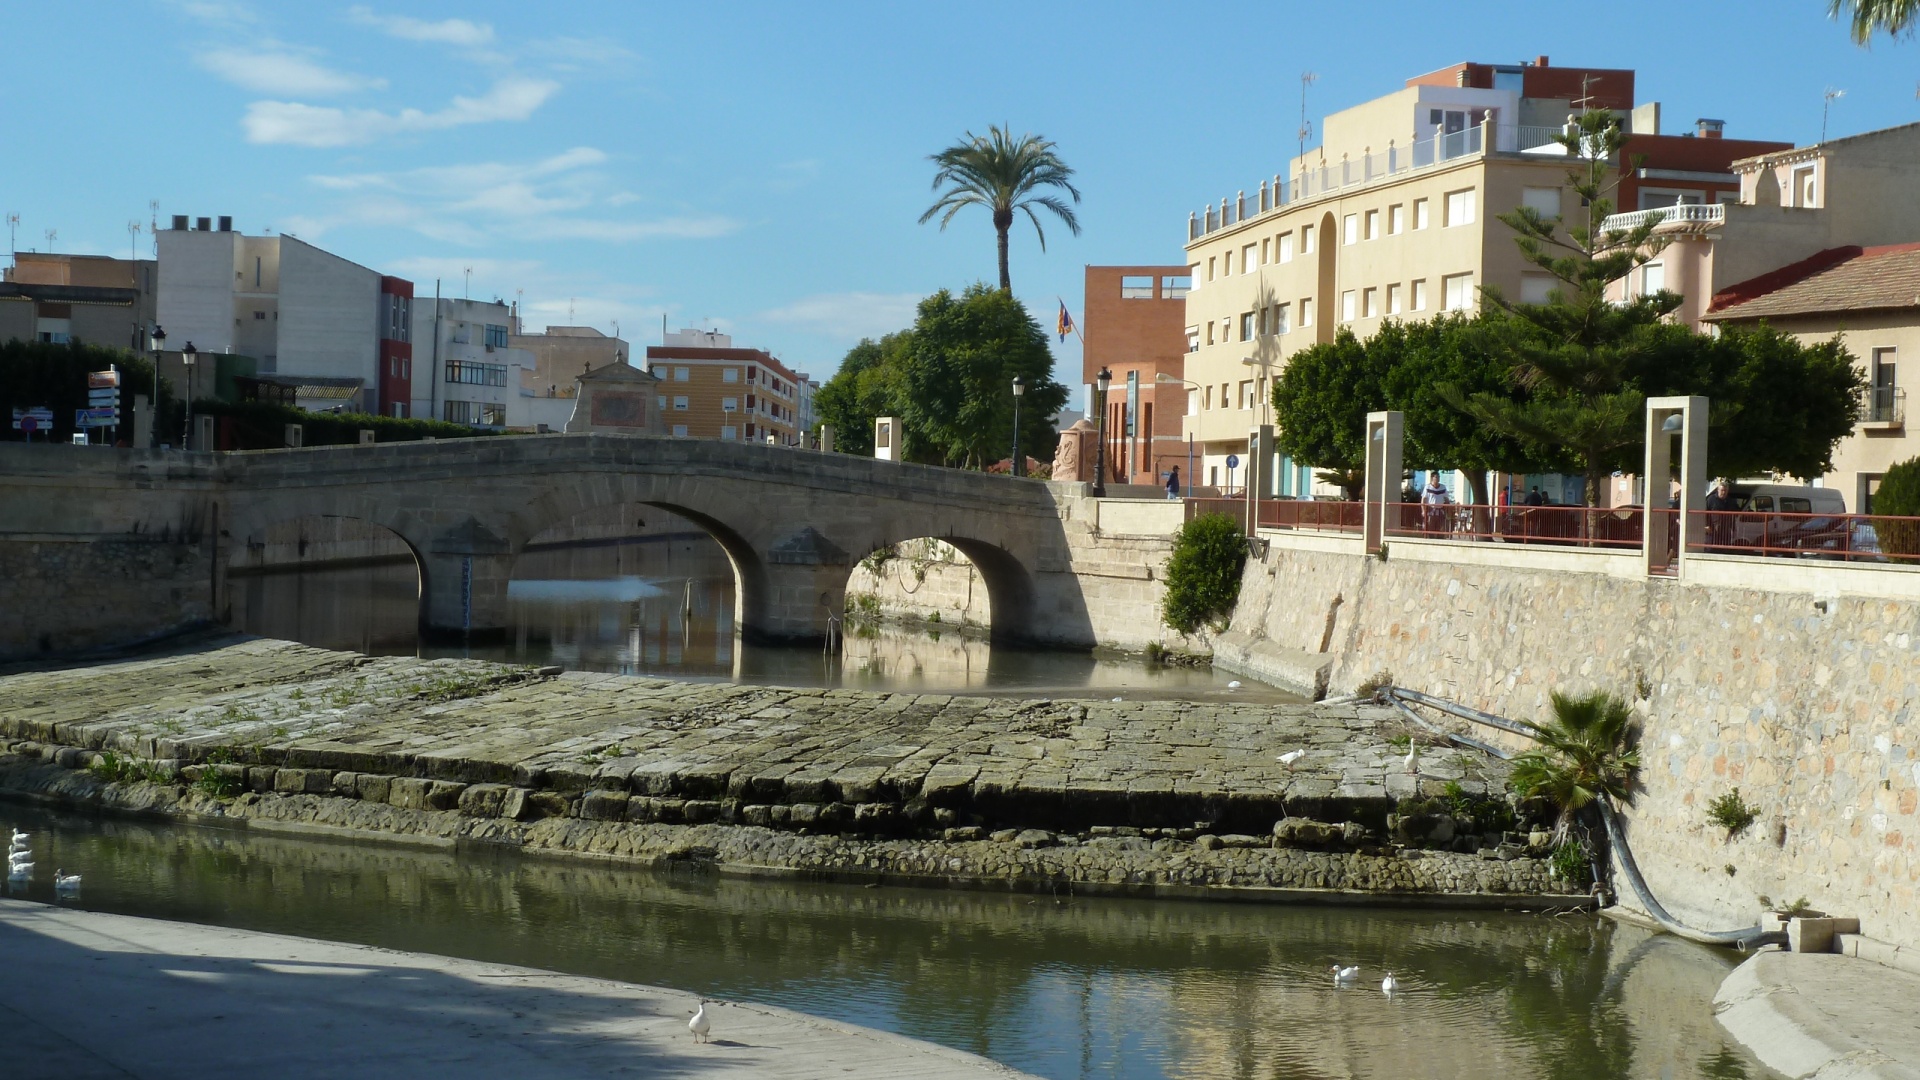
(1825, 1016)
(88, 995)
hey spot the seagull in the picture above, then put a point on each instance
(1234, 685)
(65, 882)
(1290, 757)
(19, 841)
(699, 1025)
(1119, 699)
(1389, 984)
(19, 857)
(1413, 757)
(1344, 974)
(19, 871)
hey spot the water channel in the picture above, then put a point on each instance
(1065, 988)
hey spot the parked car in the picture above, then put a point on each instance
(1808, 521)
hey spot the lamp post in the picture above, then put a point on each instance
(1019, 391)
(159, 338)
(1100, 383)
(1163, 377)
(187, 356)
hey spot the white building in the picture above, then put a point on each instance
(473, 375)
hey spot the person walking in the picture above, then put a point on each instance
(1173, 483)
(1720, 506)
(1435, 499)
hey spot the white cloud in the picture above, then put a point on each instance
(276, 71)
(218, 12)
(681, 228)
(297, 124)
(848, 315)
(446, 32)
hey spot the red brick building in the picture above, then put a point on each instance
(1135, 325)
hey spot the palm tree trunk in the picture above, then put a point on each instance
(1006, 280)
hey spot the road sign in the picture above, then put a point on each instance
(107, 380)
(92, 418)
(27, 424)
(1233, 461)
(39, 414)
(109, 396)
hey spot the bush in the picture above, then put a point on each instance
(1203, 575)
(262, 425)
(1731, 813)
(1898, 498)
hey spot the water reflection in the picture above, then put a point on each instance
(1076, 988)
(663, 604)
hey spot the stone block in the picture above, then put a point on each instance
(1033, 838)
(700, 811)
(260, 778)
(444, 795)
(346, 784)
(760, 815)
(542, 804)
(408, 793)
(857, 785)
(303, 782)
(513, 804)
(1813, 935)
(807, 788)
(963, 834)
(704, 781)
(483, 800)
(70, 757)
(604, 806)
(803, 815)
(949, 785)
(372, 788)
(878, 818)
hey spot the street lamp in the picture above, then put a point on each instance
(1019, 391)
(159, 337)
(1100, 383)
(187, 356)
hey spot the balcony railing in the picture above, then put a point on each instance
(1696, 215)
(1885, 405)
(1367, 168)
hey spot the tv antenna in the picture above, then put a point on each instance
(571, 300)
(1307, 78)
(52, 235)
(133, 239)
(466, 287)
(1826, 104)
(13, 226)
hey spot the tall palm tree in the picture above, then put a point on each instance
(1002, 174)
(1896, 17)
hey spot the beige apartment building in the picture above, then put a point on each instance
(1395, 215)
(711, 390)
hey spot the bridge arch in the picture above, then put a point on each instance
(367, 599)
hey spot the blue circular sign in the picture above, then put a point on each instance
(1233, 461)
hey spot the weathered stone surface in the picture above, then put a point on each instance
(604, 806)
(408, 793)
(485, 801)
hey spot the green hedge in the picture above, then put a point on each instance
(1899, 499)
(262, 425)
(37, 374)
(1203, 575)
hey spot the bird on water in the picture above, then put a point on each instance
(64, 882)
(700, 1025)
(1344, 974)
(1389, 984)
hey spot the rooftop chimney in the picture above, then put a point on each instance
(226, 223)
(204, 224)
(1709, 129)
(180, 222)
(1539, 61)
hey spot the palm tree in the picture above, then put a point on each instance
(1896, 17)
(1583, 755)
(1002, 174)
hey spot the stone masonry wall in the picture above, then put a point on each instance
(1804, 703)
(87, 593)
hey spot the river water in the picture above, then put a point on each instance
(1066, 988)
(664, 606)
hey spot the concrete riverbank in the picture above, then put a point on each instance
(1153, 798)
(1825, 1015)
(92, 995)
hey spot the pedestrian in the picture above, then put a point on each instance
(1173, 483)
(1435, 500)
(1721, 505)
(1535, 497)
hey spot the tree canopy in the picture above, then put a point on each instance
(1867, 17)
(1005, 175)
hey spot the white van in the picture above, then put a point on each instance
(1808, 521)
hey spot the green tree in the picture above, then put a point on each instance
(958, 367)
(1320, 405)
(867, 386)
(54, 376)
(1004, 175)
(1203, 573)
(1575, 356)
(1896, 506)
(1867, 17)
(1584, 752)
(1425, 362)
(1777, 405)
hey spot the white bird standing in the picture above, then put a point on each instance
(700, 1025)
(1389, 984)
(1234, 684)
(1290, 757)
(1413, 757)
(1344, 974)
(65, 882)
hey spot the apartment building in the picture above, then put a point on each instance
(709, 390)
(296, 310)
(1395, 215)
(474, 374)
(561, 354)
(1135, 320)
(92, 298)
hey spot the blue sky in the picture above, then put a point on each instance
(760, 167)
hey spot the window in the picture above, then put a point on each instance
(496, 336)
(679, 431)
(1226, 329)
(1369, 303)
(1280, 318)
(1209, 331)
(1306, 239)
(1306, 311)
(1193, 401)
(1457, 292)
(476, 413)
(1136, 287)
(1247, 256)
(1226, 264)
(474, 374)
(731, 374)
(1175, 288)
(730, 404)
(1266, 250)
(1246, 326)
(1246, 393)
(260, 316)
(1396, 219)
(1460, 208)
(1206, 396)
(1350, 229)
(1419, 213)
(1346, 306)
(1210, 261)
(728, 431)
(1285, 244)
(1805, 191)
(1881, 382)
(662, 401)
(1193, 339)
(1372, 223)
(1545, 200)
(1193, 274)
(681, 374)
(1536, 288)
(1653, 278)
(1417, 295)
(1393, 300)
(680, 401)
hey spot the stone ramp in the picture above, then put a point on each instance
(1825, 1016)
(93, 995)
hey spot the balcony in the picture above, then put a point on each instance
(1686, 217)
(1883, 408)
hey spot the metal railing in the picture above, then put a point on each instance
(1365, 168)
(1618, 527)
(1311, 515)
(1700, 214)
(1883, 405)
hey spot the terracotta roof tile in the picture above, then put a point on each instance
(1840, 279)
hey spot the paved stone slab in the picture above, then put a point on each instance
(90, 995)
(1824, 1015)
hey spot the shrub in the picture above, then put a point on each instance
(262, 425)
(1898, 499)
(1572, 864)
(1203, 575)
(1731, 813)
(1584, 752)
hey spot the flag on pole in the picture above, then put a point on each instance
(1065, 324)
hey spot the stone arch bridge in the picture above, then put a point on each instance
(792, 522)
